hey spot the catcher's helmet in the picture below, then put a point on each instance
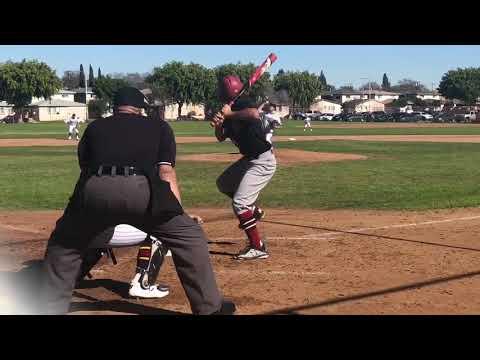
(229, 87)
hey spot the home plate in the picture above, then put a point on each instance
(292, 139)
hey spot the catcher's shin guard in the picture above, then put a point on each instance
(149, 261)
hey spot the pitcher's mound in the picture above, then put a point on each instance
(284, 157)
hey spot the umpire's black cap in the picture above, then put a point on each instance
(130, 96)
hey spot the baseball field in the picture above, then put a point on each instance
(376, 218)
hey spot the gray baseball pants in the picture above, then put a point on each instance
(244, 179)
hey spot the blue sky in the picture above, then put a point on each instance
(341, 64)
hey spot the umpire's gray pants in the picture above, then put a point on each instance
(243, 180)
(110, 201)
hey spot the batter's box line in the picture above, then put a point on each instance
(336, 232)
(431, 222)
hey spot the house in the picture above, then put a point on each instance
(67, 95)
(326, 107)
(80, 95)
(171, 111)
(5, 109)
(429, 95)
(344, 96)
(54, 109)
(359, 106)
(280, 103)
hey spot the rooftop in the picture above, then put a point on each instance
(360, 101)
(362, 92)
(328, 100)
(57, 103)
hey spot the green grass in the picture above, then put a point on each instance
(395, 176)
(58, 130)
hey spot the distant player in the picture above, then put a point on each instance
(307, 123)
(73, 126)
(270, 121)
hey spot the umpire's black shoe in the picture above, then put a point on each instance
(228, 308)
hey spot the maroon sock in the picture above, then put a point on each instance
(143, 256)
(249, 225)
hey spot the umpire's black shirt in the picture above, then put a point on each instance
(127, 140)
(132, 140)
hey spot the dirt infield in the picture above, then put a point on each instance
(211, 139)
(284, 157)
(322, 262)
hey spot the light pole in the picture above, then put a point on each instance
(86, 102)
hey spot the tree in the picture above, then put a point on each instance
(21, 81)
(463, 84)
(346, 87)
(385, 83)
(330, 88)
(106, 87)
(182, 83)
(71, 79)
(403, 101)
(370, 85)
(91, 77)
(409, 85)
(99, 75)
(302, 87)
(81, 82)
(96, 108)
(323, 80)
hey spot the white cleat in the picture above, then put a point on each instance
(250, 253)
(152, 292)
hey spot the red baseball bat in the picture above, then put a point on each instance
(257, 74)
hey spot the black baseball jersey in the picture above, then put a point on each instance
(248, 136)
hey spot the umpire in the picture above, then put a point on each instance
(127, 176)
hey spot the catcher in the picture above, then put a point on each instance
(150, 257)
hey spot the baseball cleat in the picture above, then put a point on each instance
(250, 253)
(152, 292)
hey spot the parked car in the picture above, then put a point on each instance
(382, 117)
(327, 116)
(339, 117)
(299, 116)
(423, 115)
(9, 119)
(466, 116)
(355, 118)
(443, 117)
